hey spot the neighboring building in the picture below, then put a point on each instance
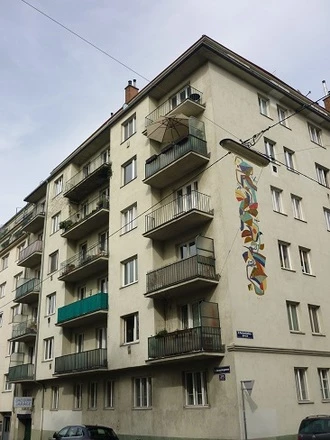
(153, 279)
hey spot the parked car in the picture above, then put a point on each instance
(85, 432)
(315, 428)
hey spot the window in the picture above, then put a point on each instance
(77, 393)
(301, 383)
(1, 319)
(129, 171)
(53, 262)
(58, 186)
(13, 347)
(142, 392)
(15, 311)
(181, 96)
(190, 315)
(48, 349)
(101, 337)
(79, 342)
(297, 208)
(322, 175)
(131, 328)
(103, 285)
(129, 127)
(129, 268)
(50, 304)
(283, 249)
(270, 149)
(282, 115)
(19, 250)
(263, 105)
(109, 394)
(288, 155)
(2, 290)
(55, 223)
(86, 170)
(104, 156)
(188, 249)
(17, 278)
(196, 389)
(92, 394)
(314, 318)
(129, 219)
(327, 217)
(7, 384)
(292, 309)
(4, 262)
(315, 134)
(324, 381)
(305, 260)
(54, 398)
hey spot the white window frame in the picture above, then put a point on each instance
(129, 171)
(327, 217)
(322, 174)
(301, 384)
(101, 337)
(19, 249)
(1, 319)
(129, 220)
(51, 304)
(58, 186)
(284, 254)
(92, 395)
(293, 316)
(263, 105)
(324, 382)
(77, 396)
(4, 262)
(53, 262)
(142, 392)
(289, 161)
(7, 384)
(195, 384)
(129, 271)
(305, 260)
(270, 149)
(15, 311)
(282, 116)
(315, 134)
(129, 127)
(314, 318)
(109, 394)
(55, 397)
(55, 223)
(48, 349)
(2, 289)
(297, 207)
(131, 328)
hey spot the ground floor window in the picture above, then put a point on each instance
(196, 388)
(142, 392)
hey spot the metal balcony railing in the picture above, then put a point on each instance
(36, 246)
(173, 152)
(187, 93)
(24, 328)
(27, 286)
(183, 270)
(85, 172)
(180, 342)
(88, 305)
(82, 258)
(84, 213)
(21, 372)
(178, 207)
(86, 360)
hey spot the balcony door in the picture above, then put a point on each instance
(101, 337)
(103, 241)
(81, 292)
(186, 198)
(188, 249)
(83, 252)
(31, 355)
(79, 342)
(190, 316)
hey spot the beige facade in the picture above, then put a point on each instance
(156, 279)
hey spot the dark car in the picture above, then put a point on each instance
(315, 428)
(85, 432)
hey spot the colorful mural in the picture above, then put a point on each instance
(246, 195)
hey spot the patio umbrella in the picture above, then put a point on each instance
(169, 128)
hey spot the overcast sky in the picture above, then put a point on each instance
(56, 90)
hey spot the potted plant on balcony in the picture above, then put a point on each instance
(161, 333)
(66, 224)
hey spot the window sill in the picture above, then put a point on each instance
(285, 126)
(266, 116)
(128, 138)
(288, 269)
(128, 344)
(196, 406)
(304, 402)
(125, 184)
(292, 170)
(309, 274)
(316, 143)
(136, 408)
(319, 334)
(293, 332)
(279, 212)
(126, 232)
(7, 391)
(127, 285)
(325, 401)
(300, 220)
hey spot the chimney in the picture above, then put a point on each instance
(130, 91)
(326, 100)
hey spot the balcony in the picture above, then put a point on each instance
(28, 291)
(86, 264)
(188, 101)
(90, 178)
(183, 277)
(197, 342)
(82, 362)
(182, 214)
(21, 373)
(24, 331)
(83, 222)
(31, 255)
(84, 312)
(175, 161)
(36, 222)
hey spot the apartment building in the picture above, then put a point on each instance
(168, 281)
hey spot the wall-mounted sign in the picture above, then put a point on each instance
(221, 370)
(23, 402)
(222, 377)
(244, 335)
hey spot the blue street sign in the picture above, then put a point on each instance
(244, 335)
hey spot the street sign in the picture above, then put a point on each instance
(23, 402)
(221, 370)
(222, 377)
(244, 334)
